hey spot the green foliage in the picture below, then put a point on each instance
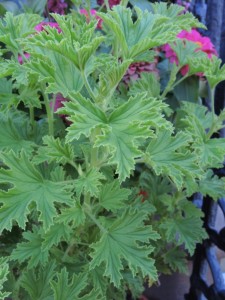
(126, 233)
(94, 187)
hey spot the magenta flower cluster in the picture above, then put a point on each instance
(111, 2)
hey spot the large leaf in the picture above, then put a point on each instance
(120, 130)
(122, 241)
(29, 186)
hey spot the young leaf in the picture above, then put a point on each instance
(89, 182)
(122, 241)
(29, 186)
(54, 149)
(112, 197)
(37, 285)
(31, 250)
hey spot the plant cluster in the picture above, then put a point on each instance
(104, 140)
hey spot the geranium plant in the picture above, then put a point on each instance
(101, 149)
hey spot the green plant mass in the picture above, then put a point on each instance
(103, 141)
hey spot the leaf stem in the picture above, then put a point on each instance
(212, 103)
(32, 121)
(87, 85)
(107, 4)
(48, 111)
(92, 217)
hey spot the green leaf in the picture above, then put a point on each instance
(212, 186)
(122, 241)
(15, 133)
(112, 197)
(13, 28)
(176, 259)
(89, 182)
(169, 155)
(148, 82)
(136, 37)
(210, 67)
(65, 289)
(74, 215)
(6, 93)
(55, 234)
(54, 149)
(4, 271)
(29, 186)
(179, 229)
(37, 285)
(120, 130)
(31, 250)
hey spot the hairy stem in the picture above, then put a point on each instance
(48, 111)
(87, 85)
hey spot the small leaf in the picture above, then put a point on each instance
(4, 271)
(89, 182)
(212, 186)
(74, 215)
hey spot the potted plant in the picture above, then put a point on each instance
(101, 149)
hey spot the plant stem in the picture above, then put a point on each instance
(107, 4)
(124, 3)
(32, 121)
(92, 217)
(87, 85)
(212, 103)
(48, 111)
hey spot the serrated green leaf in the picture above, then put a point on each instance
(110, 77)
(136, 37)
(179, 229)
(15, 134)
(29, 186)
(120, 130)
(37, 285)
(176, 259)
(212, 186)
(6, 93)
(65, 289)
(54, 149)
(168, 155)
(55, 234)
(122, 241)
(148, 82)
(89, 182)
(74, 215)
(112, 197)
(4, 271)
(13, 28)
(31, 250)
(212, 69)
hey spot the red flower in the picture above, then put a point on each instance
(144, 195)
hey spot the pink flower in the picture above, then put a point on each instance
(41, 26)
(93, 13)
(204, 45)
(59, 103)
(20, 58)
(111, 2)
